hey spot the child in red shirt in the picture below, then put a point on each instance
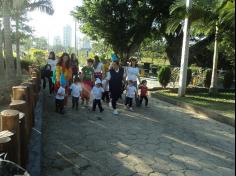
(144, 92)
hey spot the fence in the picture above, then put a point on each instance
(17, 121)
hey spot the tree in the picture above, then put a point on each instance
(209, 19)
(40, 43)
(2, 69)
(20, 8)
(123, 24)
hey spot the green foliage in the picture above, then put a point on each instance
(189, 77)
(207, 78)
(228, 79)
(164, 76)
(26, 63)
(123, 24)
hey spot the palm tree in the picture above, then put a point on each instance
(209, 17)
(20, 8)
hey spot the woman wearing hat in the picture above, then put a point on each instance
(116, 77)
(133, 71)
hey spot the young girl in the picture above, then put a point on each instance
(144, 92)
(130, 95)
(76, 90)
(88, 78)
(97, 92)
(60, 96)
(98, 68)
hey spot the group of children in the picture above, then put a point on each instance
(100, 93)
(94, 81)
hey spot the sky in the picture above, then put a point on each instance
(51, 26)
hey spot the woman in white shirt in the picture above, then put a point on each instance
(133, 72)
(98, 68)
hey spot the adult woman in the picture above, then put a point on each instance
(63, 71)
(98, 68)
(133, 72)
(74, 65)
(48, 71)
(116, 77)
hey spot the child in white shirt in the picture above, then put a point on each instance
(97, 92)
(131, 91)
(60, 98)
(76, 90)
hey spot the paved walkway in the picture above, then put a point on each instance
(160, 141)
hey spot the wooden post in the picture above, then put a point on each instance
(34, 92)
(35, 80)
(23, 93)
(31, 99)
(24, 143)
(21, 106)
(10, 121)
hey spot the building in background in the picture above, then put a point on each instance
(57, 41)
(67, 36)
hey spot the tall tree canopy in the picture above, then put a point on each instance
(122, 23)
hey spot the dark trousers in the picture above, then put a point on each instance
(146, 100)
(59, 105)
(106, 96)
(75, 102)
(95, 103)
(129, 101)
(50, 84)
(114, 98)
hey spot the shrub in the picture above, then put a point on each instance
(175, 75)
(207, 78)
(25, 64)
(164, 76)
(189, 77)
(228, 79)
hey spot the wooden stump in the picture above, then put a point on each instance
(10, 121)
(21, 106)
(23, 93)
(35, 80)
(23, 138)
(34, 88)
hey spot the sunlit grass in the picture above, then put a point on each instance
(223, 103)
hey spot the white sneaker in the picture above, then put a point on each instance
(110, 104)
(131, 109)
(115, 112)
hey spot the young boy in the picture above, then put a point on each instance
(97, 92)
(144, 92)
(105, 95)
(76, 90)
(60, 98)
(130, 95)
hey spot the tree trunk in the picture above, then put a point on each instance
(185, 55)
(213, 88)
(18, 64)
(2, 67)
(10, 66)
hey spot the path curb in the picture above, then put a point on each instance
(196, 109)
(35, 146)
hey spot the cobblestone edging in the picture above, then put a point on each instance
(196, 109)
(35, 146)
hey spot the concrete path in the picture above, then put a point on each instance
(162, 140)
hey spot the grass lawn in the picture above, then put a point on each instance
(223, 103)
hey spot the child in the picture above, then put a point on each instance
(60, 98)
(105, 96)
(88, 78)
(144, 92)
(97, 92)
(76, 90)
(131, 92)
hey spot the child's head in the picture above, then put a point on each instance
(144, 82)
(98, 83)
(131, 83)
(90, 62)
(77, 80)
